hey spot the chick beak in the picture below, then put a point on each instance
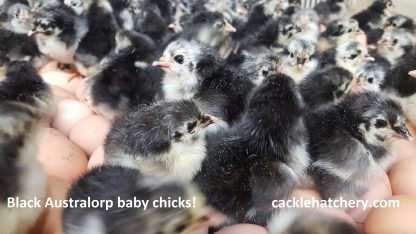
(403, 133)
(412, 73)
(383, 43)
(229, 28)
(176, 27)
(32, 32)
(368, 58)
(211, 218)
(163, 63)
(207, 120)
(356, 85)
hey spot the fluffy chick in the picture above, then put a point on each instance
(115, 182)
(21, 174)
(349, 55)
(375, 15)
(399, 81)
(23, 84)
(369, 77)
(394, 44)
(194, 70)
(171, 143)
(352, 142)
(261, 158)
(325, 86)
(338, 31)
(331, 10)
(19, 18)
(308, 21)
(256, 69)
(101, 24)
(127, 77)
(299, 59)
(58, 31)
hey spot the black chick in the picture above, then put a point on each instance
(325, 86)
(23, 84)
(261, 158)
(100, 38)
(399, 81)
(165, 139)
(194, 70)
(115, 183)
(353, 142)
(21, 174)
(331, 10)
(127, 77)
(400, 21)
(374, 16)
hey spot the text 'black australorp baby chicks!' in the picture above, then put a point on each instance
(352, 142)
(21, 174)
(165, 139)
(114, 183)
(261, 158)
(194, 70)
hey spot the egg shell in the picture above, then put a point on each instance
(89, 133)
(58, 78)
(243, 229)
(97, 158)
(379, 189)
(50, 66)
(57, 190)
(61, 93)
(69, 112)
(406, 149)
(393, 220)
(60, 157)
(403, 177)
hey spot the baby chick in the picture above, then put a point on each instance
(338, 31)
(194, 70)
(400, 82)
(325, 86)
(127, 77)
(101, 24)
(19, 18)
(308, 21)
(261, 158)
(349, 55)
(352, 142)
(58, 31)
(331, 10)
(394, 44)
(375, 15)
(170, 139)
(21, 174)
(299, 59)
(23, 84)
(256, 69)
(369, 77)
(115, 183)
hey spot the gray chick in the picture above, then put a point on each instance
(352, 142)
(165, 139)
(19, 18)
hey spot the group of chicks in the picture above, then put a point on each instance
(240, 102)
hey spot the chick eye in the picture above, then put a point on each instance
(191, 127)
(370, 80)
(265, 72)
(395, 41)
(177, 135)
(381, 123)
(178, 59)
(394, 25)
(292, 55)
(353, 56)
(349, 30)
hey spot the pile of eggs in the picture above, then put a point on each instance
(73, 143)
